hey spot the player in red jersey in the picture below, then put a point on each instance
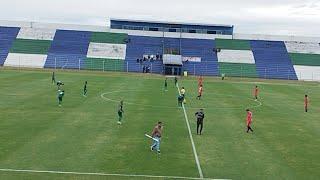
(200, 92)
(200, 81)
(249, 120)
(306, 102)
(256, 92)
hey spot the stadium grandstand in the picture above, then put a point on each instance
(159, 47)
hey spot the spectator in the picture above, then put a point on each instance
(144, 69)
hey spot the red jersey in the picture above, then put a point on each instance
(249, 118)
(256, 91)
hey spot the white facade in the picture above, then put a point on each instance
(303, 47)
(25, 60)
(307, 73)
(236, 56)
(36, 33)
(109, 51)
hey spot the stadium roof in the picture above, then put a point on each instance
(175, 23)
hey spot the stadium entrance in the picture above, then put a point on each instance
(173, 70)
(172, 64)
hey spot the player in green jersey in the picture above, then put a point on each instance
(120, 112)
(60, 96)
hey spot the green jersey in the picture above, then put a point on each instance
(120, 109)
(60, 94)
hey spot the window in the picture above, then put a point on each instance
(192, 31)
(116, 26)
(200, 31)
(184, 30)
(153, 29)
(133, 27)
(211, 32)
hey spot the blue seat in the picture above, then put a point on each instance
(272, 60)
(68, 49)
(205, 50)
(140, 45)
(143, 45)
(7, 36)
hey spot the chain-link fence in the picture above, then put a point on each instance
(203, 68)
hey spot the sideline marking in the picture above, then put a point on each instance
(98, 174)
(191, 138)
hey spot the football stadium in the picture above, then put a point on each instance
(154, 99)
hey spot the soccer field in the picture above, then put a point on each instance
(83, 136)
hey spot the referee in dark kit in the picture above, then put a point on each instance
(200, 116)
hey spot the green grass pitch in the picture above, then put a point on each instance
(83, 135)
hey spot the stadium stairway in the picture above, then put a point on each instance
(68, 49)
(7, 36)
(272, 60)
(142, 45)
(200, 48)
(172, 43)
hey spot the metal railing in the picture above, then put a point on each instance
(203, 68)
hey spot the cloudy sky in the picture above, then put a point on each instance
(283, 17)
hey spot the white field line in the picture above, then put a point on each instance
(191, 138)
(99, 174)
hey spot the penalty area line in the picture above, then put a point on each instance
(97, 174)
(191, 138)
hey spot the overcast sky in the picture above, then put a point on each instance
(283, 17)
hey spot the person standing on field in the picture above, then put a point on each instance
(200, 81)
(200, 90)
(53, 78)
(156, 135)
(200, 116)
(180, 100)
(306, 103)
(85, 90)
(166, 84)
(120, 112)
(256, 92)
(183, 94)
(175, 81)
(60, 96)
(249, 120)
